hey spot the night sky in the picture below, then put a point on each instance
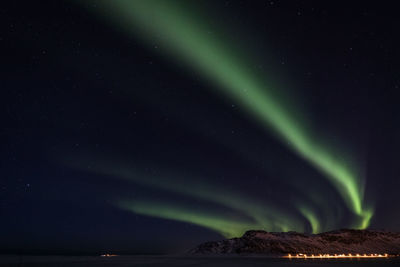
(150, 126)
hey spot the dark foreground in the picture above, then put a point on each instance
(166, 261)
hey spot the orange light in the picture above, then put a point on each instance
(341, 256)
(108, 255)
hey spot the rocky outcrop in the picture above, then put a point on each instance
(335, 242)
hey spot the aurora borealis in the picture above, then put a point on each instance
(150, 126)
(183, 39)
(259, 216)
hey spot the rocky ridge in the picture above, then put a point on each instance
(334, 242)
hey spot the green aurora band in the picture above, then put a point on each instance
(259, 215)
(221, 224)
(183, 37)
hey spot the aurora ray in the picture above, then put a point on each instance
(311, 217)
(183, 37)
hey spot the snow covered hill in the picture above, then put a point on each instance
(335, 242)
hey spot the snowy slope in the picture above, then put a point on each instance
(335, 242)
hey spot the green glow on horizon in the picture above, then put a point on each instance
(312, 218)
(262, 215)
(183, 37)
(365, 219)
(227, 227)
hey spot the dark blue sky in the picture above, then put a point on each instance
(77, 92)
